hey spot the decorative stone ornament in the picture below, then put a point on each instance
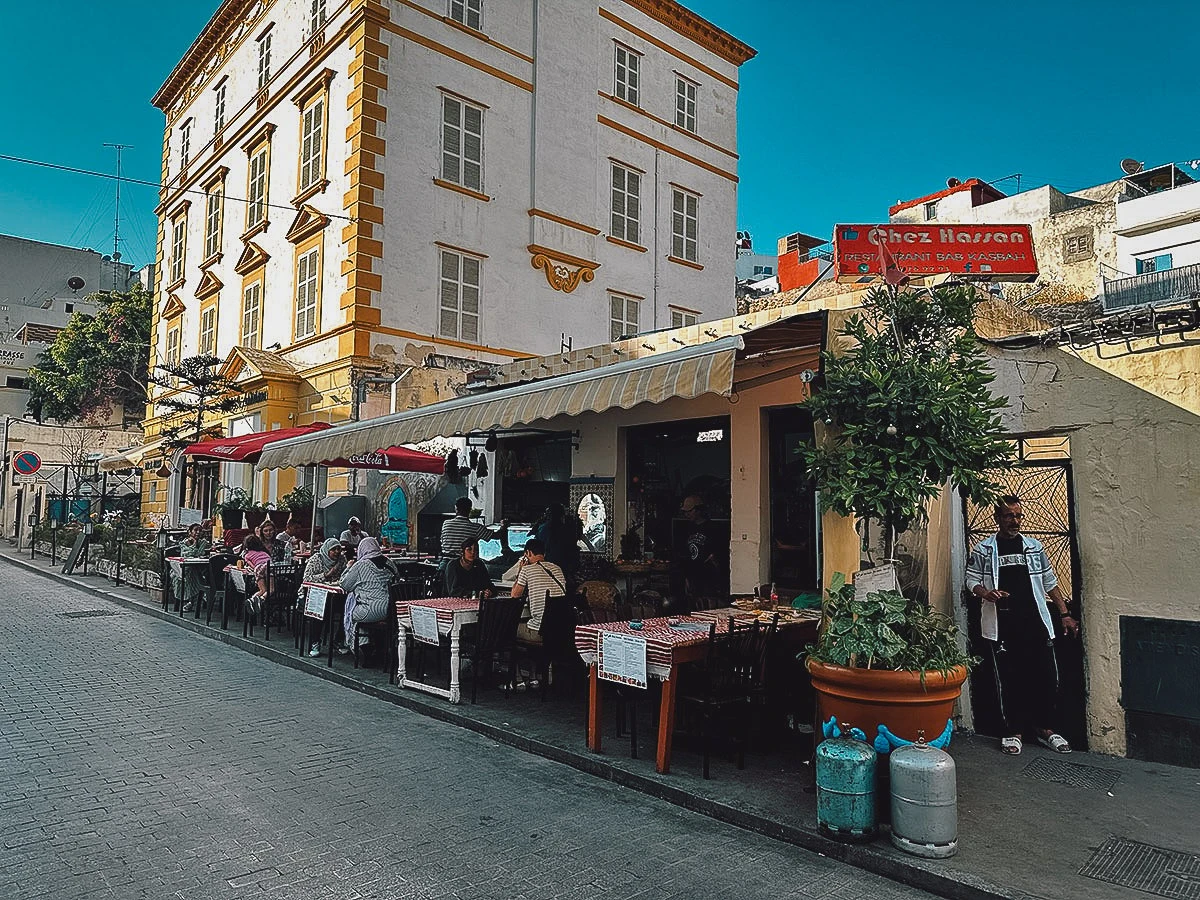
(563, 271)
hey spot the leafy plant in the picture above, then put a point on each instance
(885, 631)
(97, 362)
(298, 499)
(907, 408)
(233, 498)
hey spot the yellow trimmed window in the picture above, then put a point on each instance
(178, 247)
(252, 315)
(308, 280)
(312, 143)
(256, 186)
(208, 331)
(214, 206)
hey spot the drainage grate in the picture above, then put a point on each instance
(90, 613)
(1166, 873)
(1046, 768)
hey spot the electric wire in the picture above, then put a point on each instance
(59, 167)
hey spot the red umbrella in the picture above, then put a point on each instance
(248, 447)
(397, 459)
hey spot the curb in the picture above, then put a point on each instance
(861, 856)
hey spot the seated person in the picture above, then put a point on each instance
(327, 564)
(193, 546)
(467, 575)
(257, 561)
(533, 577)
(366, 585)
(272, 542)
(353, 534)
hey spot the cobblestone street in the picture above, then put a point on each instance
(138, 759)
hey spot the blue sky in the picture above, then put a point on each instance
(841, 113)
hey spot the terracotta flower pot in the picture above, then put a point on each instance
(867, 698)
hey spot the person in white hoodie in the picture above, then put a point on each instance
(1019, 600)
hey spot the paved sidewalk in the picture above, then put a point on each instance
(1041, 825)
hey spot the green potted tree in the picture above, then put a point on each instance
(231, 505)
(299, 504)
(905, 409)
(256, 513)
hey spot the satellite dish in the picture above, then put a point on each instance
(1131, 166)
(74, 282)
(952, 182)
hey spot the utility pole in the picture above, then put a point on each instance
(117, 226)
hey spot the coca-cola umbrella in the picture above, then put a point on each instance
(393, 459)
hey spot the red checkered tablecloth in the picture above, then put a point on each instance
(446, 607)
(661, 640)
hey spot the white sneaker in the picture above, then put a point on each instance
(314, 650)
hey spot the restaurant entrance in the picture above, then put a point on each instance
(666, 463)
(794, 535)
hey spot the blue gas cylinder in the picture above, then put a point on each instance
(846, 789)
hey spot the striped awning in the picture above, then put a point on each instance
(686, 373)
(131, 458)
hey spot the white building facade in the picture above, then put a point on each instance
(1158, 240)
(486, 178)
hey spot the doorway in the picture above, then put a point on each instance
(1043, 481)
(395, 526)
(793, 502)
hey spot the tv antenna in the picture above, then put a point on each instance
(116, 255)
(1131, 166)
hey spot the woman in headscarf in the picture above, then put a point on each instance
(366, 586)
(327, 564)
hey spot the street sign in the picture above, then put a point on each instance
(26, 462)
(24, 479)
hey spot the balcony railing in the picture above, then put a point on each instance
(1153, 288)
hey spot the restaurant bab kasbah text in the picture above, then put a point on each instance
(986, 252)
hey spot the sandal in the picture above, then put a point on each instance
(1011, 745)
(1055, 742)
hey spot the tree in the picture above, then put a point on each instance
(907, 408)
(97, 362)
(196, 393)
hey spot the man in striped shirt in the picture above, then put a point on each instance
(460, 528)
(533, 577)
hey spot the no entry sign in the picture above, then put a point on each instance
(26, 462)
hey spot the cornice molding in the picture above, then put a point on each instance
(697, 29)
(233, 21)
(314, 86)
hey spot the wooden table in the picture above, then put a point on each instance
(179, 566)
(334, 596)
(452, 614)
(666, 650)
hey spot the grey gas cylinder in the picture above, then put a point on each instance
(924, 801)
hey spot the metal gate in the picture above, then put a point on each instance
(1043, 481)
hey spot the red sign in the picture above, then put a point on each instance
(983, 252)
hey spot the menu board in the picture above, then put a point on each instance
(622, 659)
(314, 606)
(880, 578)
(424, 624)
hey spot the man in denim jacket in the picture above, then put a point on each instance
(1012, 576)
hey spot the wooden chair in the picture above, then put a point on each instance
(558, 641)
(283, 588)
(724, 688)
(495, 636)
